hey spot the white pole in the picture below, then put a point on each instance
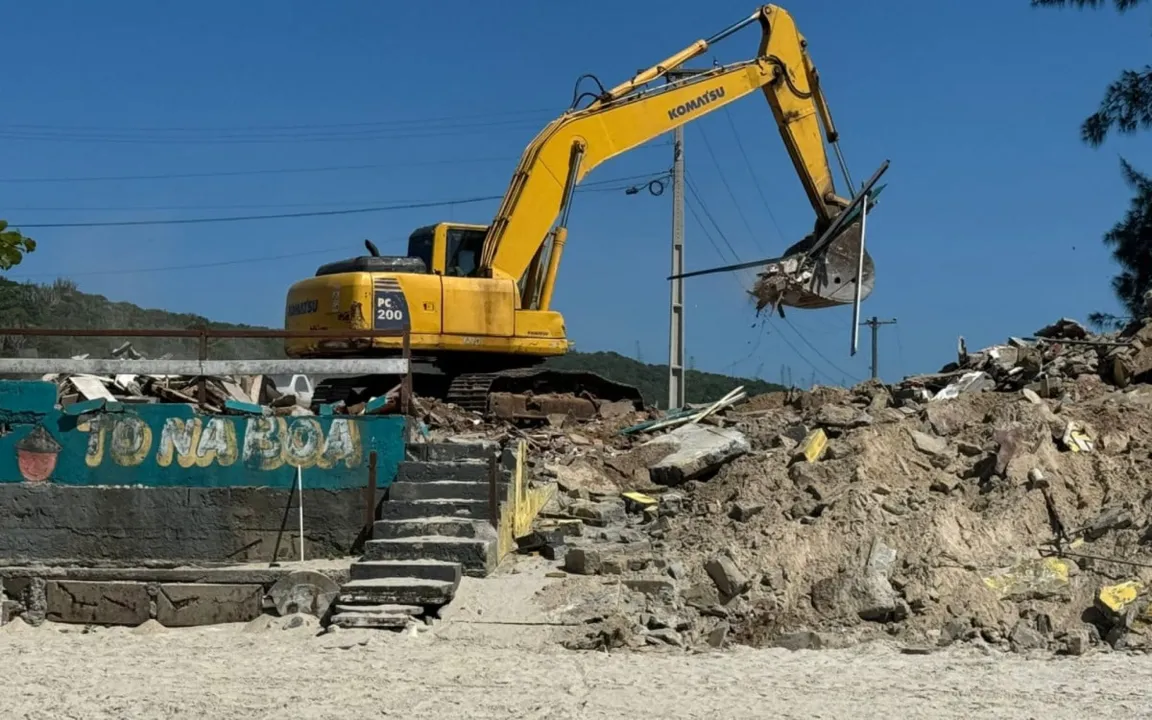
(300, 506)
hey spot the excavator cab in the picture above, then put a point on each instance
(449, 249)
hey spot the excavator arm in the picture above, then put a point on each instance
(526, 238)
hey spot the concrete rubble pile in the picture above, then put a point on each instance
(1010, 513)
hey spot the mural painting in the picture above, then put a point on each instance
(172, 445)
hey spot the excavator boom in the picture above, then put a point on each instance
(525, 239)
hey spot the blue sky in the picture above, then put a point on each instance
(989, 227)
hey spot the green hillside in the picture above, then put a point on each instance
(62, 305)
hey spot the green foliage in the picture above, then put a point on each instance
(13, 246)
(1127, 103)
(62, 305)
(652, 380)
(1131, 243)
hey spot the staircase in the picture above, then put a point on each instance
(433, 529)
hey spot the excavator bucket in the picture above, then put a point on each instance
(811, 280)
(821, 281)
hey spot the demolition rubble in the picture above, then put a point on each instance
(246, 394)
(1001, 503)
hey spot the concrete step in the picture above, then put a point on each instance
(474, 555)
(371, 621)
(462, 470)
(416, 527)
(420, 569)
(387, 617)
(450, 451)
(396, 591)
(450, 507)
(442, 490)
(381, 609)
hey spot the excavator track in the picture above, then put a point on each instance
(532, 394)
(470, 391)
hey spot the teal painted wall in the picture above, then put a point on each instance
(165, 445)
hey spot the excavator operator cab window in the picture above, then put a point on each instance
(462, 254)
(420, 246)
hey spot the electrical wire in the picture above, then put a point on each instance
(819, 354)
(707, 233)
(238, 173)
(267, 171)
(269, 139)
(285, 256)
(192, 266)
(728, 188)
(291, 215)
(272, 128)
(696, 195)
(751, 172)
(270, 216)
(586, 187)
(804, 357)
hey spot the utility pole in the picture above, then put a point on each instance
(875, 324)
(676, 301)
(676, 304)
(676, 357)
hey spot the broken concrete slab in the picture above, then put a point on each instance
(661, 587)
(592, 560)
(929, 444)
(97, 603)
(599, 513)
(842, 416)
(191, 604)
(729, 580)
(699, 451)
(876, 599)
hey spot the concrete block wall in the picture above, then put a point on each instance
(159, 482)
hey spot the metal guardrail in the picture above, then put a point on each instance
(203, 366)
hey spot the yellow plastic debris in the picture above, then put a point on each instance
(814, 445)
(639, 498)
(1076, 440)
(1035, 579)
(1115, 599)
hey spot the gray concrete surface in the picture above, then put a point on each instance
(55, 524)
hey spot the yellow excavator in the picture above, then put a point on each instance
(477, 299)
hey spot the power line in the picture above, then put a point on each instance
(692, 189)
(285, 256)
(587, 186)
(265, 128)
(235, 173)
(267, 171)
(803, 357)
(748, 164)
(728, 188)
(191, 266)
(271, 216)
(707, 234)
(267, 139)
(310, 213)
(820, 354)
